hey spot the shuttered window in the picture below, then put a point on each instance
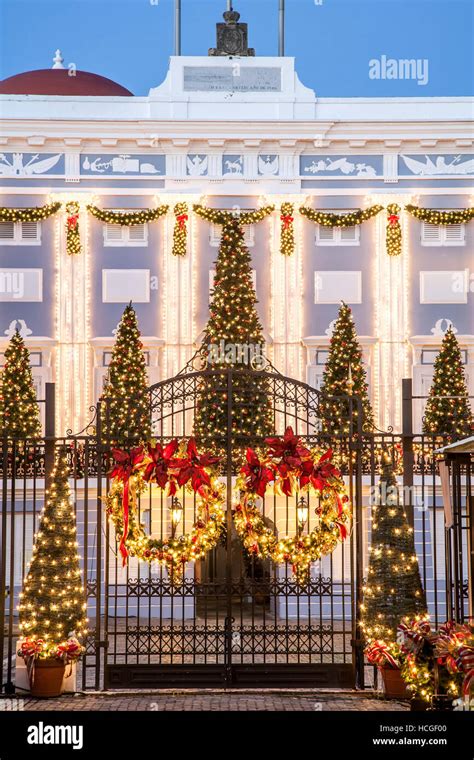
(20, 233)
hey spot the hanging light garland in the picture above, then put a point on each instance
(219, 216)
(434, 216)
(287, 232)
(36, 214)
(73, 237)
(180, 232)
(127, 218)
(293, 470)
(393, 230)
(348, 219)
(171, 467)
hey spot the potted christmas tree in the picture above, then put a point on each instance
(52, 604)
(393, 589)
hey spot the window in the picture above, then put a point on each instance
(428, 356)
(122, 285)
(336, 286)
(216, 232)
(116, 234)
(20, 233)
(442, 234)
(337, 235)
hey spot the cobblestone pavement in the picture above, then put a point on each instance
(217, 701)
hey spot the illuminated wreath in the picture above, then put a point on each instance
(173, 466)
(292, 469)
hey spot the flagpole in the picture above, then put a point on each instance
(177, 27)
(281, 28)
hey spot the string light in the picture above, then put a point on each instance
(19, 410)
(287, 233)
(393, 230)
(180, 232)
(349, 219)
(434, 216)
(36, 214)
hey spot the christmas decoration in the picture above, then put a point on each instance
(125, 404)
(233, 339)
(344, 375)
(348, 219)
(180, 232)
(287, 234)
(73, 238)
(393, 589)
(19, 411)
(36, 214)
(52, 606)
(447, 410)
(293, 470)
(219, 216)
(171, 467)
(393, 231)
(433, 216)
(127, 218)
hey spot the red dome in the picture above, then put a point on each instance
(59, 82)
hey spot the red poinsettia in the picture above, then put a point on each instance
(289, 449)
(258, 474)
(125, 462)
(158, 468)
(192, 468)
(319, 473)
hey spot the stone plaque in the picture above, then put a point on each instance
(233, 78)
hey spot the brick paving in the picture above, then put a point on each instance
(216, 701)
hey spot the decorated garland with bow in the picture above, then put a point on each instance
(292, 469)
(180, 232)
(171, 467)
(218, 216)
(347, 219)
(36, 214)
(73, 237)
(434, 216)
(393, 230)
(127, 218)
(31, 649)
(287, 232)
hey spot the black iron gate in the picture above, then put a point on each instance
(237, 620)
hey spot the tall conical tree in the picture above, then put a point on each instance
(125, 411)
(233, 338)
(393, 587)
(52, 603)
(447, 409)
(344, 374)
(19, 411)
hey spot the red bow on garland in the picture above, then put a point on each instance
(124, 466)
(72, 221)
(182, 219)
(69, 650)
(393, 220)
(287, 219)
(465, 664)
(257, 473)
(378, 653)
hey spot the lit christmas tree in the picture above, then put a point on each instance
(393, 587)
(52, 603)
(125, 408)
(344, 374)
(19, 411)
(443, 415)
(233, 338)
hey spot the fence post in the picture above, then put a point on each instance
(49, 431)
(407, 447)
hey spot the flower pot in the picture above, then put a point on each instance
(48, 678)
(394, 685)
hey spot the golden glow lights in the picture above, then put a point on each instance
(73, 237)
(52, 603)
(36, 214)
(127, 218)
(180, 231)
(433, 216)
(219, 216)
(394, 231)
(287, 234)
(348, 219)
(19, 411)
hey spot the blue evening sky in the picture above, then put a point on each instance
(332, 40)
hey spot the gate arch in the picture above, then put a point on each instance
(235, 620)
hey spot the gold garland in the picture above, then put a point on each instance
(36, 214)
(218, 216)
(127, 218)
(393, 230)
(434, 216)
(349, 219)
(180, 232)
(315, 474)
(73, 237)
(287, 233)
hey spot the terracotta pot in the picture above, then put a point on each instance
(48, 678)
(394, 685)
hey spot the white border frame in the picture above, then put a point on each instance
(105, 299)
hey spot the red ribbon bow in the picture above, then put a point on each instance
(69, 650)
(393, 220)
(124, 466)
(291, 453)
(378, 654)
(287, 219)
(182, 219)
(72, 221)
(465, 663)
